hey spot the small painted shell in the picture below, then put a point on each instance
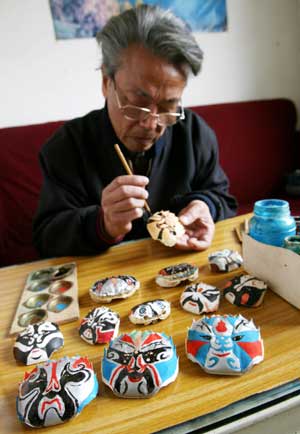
(150, 312)
(38, 342)
(173, 275)
(99, 326)
(200, 297)
(164, 226)
(245, 290)
(225, 260)
(110, 288)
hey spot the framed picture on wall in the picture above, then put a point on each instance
(83, 18)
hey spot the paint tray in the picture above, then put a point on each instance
(49, 294)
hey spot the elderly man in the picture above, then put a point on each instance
(87, 202)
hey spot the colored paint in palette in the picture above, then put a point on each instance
(50, 293)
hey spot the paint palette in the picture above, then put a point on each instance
(49, 293)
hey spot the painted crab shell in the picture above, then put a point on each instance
(56, 391)
(150, 312)
(200, 297)
(173, 275)
(225, 345)
(38, 342)
(164, 226)
(225, 260)
(110, 288)
(245, 290)
(139, 364)
(99, 326)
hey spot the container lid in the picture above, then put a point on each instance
(272, 207)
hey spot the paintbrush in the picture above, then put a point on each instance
(128, 170)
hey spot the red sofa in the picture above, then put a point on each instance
(257, 148)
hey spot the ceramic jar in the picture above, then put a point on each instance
(272, 222)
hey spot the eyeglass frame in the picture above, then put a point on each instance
(178, 116)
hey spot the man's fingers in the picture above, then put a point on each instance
(134, 180)
(124, 192)
(123, 217)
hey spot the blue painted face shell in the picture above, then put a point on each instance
(226, 345)
(139, 364)
(56, 391)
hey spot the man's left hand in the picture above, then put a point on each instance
(199, 226)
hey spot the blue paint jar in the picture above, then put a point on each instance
(272, 222)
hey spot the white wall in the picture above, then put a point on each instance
(44, 79)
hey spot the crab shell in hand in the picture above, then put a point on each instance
(164, 226)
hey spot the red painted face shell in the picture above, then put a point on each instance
(99, 326)
(56, 391)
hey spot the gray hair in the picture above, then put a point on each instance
(158, 30)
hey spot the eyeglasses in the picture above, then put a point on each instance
(135, 113)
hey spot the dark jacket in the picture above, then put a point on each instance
(79, 160)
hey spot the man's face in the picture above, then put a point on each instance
(143, 80)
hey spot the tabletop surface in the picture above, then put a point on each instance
(194, 393)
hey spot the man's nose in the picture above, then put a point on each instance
(150, 122)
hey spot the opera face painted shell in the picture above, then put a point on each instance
(114, 287)
(173, 275)
(38, 342)
(139, 364)
(164, 226)
(226, 345)
(56, 391)
(200, 297)
(245, 290)
(225, 260)
(99, 326)
(150, 312)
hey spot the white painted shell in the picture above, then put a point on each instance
(225, 260)
(110, 288)
(150, 312)
(200, 297)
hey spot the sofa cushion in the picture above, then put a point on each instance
(20, 180)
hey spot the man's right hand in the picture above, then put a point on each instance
(122, 202)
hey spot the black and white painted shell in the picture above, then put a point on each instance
(245, 290)
(164, 226)
(200, 297)
(173, 275)
(110, 288)
(99, 326)
(225, 260)
(150, 311)
(38, 342)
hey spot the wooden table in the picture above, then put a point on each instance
(194, 393)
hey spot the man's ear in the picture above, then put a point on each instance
(105, 81)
